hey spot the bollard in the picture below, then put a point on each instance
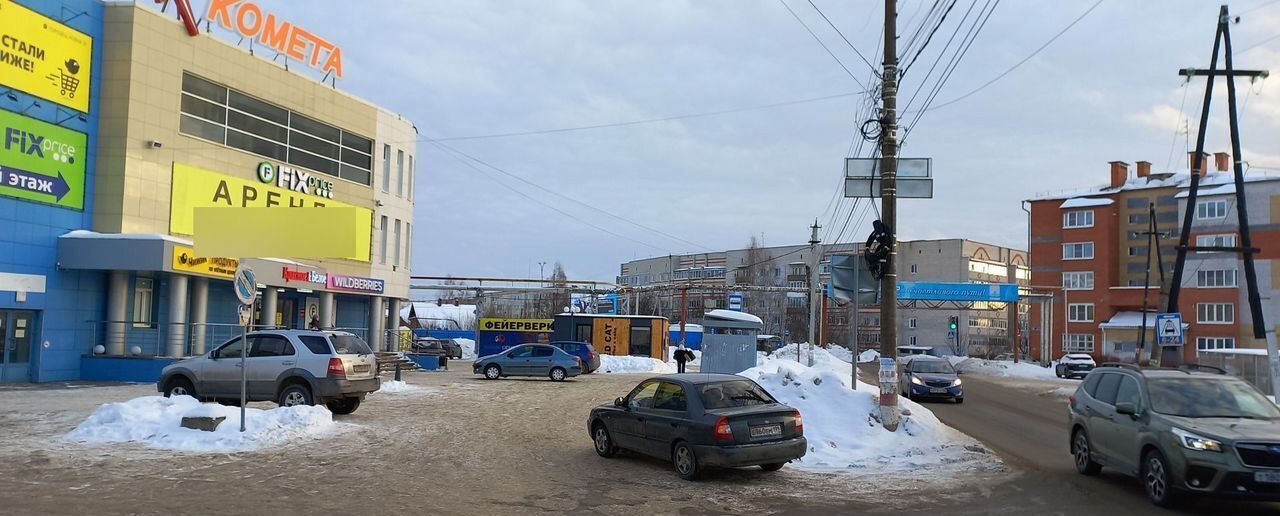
(397, 371)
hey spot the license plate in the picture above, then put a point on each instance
(1267, 477)
(360, 369)
(938, 390)
(766, 431)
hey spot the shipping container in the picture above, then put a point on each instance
(636, 335)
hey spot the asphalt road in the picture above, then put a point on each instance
(1027, 428)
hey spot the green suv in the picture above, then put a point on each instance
(1178, 430)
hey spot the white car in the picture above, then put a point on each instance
(1074, 365)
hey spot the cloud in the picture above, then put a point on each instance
(1161, 117)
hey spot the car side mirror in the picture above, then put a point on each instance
(620, 402)
(1127, 409)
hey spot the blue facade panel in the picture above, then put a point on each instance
(28, 240)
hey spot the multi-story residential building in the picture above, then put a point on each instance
(1091, 251)
(712, 276)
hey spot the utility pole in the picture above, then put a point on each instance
(889, 201)
(1153, 243)
(815, 258)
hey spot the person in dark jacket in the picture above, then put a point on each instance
(682, 355)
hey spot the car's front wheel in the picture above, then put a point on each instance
(343, 406)
(1157, 481)
(603, 441)
(557, 374)
(685, 461)
(1082, 453)
(295, 395)
(773, 466)
(492, 372)
(179, 386)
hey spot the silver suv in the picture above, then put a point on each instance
(289, 367)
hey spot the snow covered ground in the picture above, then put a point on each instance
(869, 355)
(842, 424)
(468, 348)
(1003, 368)
(155, 422)
(630, 364)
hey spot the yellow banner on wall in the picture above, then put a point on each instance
(45, 58)
(612, 336)
(198, 188)
(275, 232)
(525, 325)
(185, 260)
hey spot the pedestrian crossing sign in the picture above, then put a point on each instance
(1169, 329)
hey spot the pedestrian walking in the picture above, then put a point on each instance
(681, 356)
(315, 323)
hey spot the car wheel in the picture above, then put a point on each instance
(773, 467)
(343, 406)
(1157, 481)
(685, 461)
(603, 441)
(1057, 371)
(492, 371)
(295, 395)
(179, 386)
(557, 374)
(1082, 452)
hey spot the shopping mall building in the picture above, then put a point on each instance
(119, 123)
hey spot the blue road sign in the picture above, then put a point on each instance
(991, 292)
(1169, 329)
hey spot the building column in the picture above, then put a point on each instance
(377, 336)
(175, 329)
(199, 314)
(269, 304)
(117, 312)
(393, 314)
(326, 310)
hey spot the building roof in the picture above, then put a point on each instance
(731, 315)
(1178, 179)
(1086, 202)
(1133, 320)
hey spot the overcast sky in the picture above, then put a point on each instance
(1106, 90)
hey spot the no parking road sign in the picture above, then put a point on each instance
(1169, 329)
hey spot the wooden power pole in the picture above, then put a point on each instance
(889, 416)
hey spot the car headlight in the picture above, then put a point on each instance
(1192, 441)
(916, 380)
(956, 383)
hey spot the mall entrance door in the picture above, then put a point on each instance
(17, 334)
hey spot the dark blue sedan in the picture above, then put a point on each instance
(931, 378)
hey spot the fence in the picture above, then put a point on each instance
(1248, 367)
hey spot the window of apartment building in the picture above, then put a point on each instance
(1139, 251)
(1207, 343)
(1134, 203)
(382, 255)
(1139, 219)
(408, 242)
(911, 323)
(1215, 313)
(1166, 200)
(1228, 240)
(1078, 343)
(915, 268)
(143, 301)
(228, 117)
(400, 173)
(989, 271)
(1077, 251)
(386, 168)
(913, 340)
(396, 249)
(1170, 216)
(1077, 219)
(797, 270)
(1080, 312)
(1211, 210)
(1216, 278)
(795, 284)
(1077, 280)
(411, 174)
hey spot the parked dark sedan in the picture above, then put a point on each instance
(700, 420)
(583, 350)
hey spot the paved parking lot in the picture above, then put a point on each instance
(461, 445)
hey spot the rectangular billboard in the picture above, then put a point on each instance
(494, 336)
(42, 57)
(990, 292)
(41, 162)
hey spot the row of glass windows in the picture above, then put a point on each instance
(401, 246)
(222, 115)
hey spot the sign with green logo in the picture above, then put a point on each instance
(41, 162)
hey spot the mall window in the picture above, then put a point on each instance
(1077, 219)
(911, 323)
(397, 247)
(1077, 280)
(1216, 278)
(143, 301)
(1077, 251)
(1207, 343)
(1078, 343)
(382, 256)
(400, 173)
(1228, 240)
(1215, 313)
(1080, 312)
(1207, 210)
(228, 117)
(386, 168)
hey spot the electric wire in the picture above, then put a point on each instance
(1177, 126)
(925, 45)
(820, 42)
(971, 36)
(846, 40)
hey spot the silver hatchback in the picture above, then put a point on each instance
(289, 367)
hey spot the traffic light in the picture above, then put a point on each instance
(955, 322)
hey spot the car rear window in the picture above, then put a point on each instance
(1107, 388)
(736, 393)
(316, 344)
(349, 345)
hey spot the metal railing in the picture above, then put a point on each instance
(152, 339)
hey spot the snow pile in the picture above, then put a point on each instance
(155, 421)
(398, 387)
(630, 364)
(869, 355)
(468, 348)
(842, 427)
(1004, 368)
